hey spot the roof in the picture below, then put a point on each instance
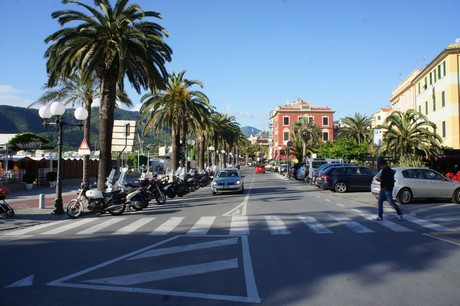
(5, 138)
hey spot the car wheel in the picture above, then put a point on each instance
(456, 197)
(404, 196)
(340, 187)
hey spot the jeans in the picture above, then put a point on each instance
(386, 194)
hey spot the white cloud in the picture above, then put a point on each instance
(13, 97)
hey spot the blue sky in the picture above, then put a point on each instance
(255, 55)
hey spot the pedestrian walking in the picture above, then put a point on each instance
(387, 182)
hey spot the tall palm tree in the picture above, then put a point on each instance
(357, 128)
(175, 107)
(113, 42)
(410, 134)
(308, 133)
(73, 91)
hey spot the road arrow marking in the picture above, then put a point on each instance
(25, 282)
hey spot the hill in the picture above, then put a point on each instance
(19, 120)
(249, 130)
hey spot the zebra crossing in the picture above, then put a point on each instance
(236, 225)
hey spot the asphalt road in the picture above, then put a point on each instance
(280, 243)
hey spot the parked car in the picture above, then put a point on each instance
(310, 165)
(347, 178)
(420, 183)
(227, 180)
(260, 168)
(295, 168)
(318, 171)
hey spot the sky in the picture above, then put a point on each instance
(255, 55)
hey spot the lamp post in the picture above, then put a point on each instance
(211, 149)
(57, 109)
(223, 158)
(148, 147)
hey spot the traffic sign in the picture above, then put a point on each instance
(84, 148)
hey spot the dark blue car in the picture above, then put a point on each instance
(347, 178)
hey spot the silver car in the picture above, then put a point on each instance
(420, 183)
(227, 180)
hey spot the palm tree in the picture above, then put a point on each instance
(224, 132)
(74, 91)
(176, 107)
(113, 42)
(410, 134)
(308, 133)
(357, 128)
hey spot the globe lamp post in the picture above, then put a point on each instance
(57, 109)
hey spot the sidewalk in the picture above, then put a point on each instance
(26, 204)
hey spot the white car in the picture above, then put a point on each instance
(420, 183)
(227, 180)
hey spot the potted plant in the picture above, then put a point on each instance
(29, 179)
(52, 177)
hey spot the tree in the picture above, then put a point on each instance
(343, 148)
(176, 107)
(357, 128)
(74, 91)
(113, 42)
(28, 141)
(308, 133)
(410, 134)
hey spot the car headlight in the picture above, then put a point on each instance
(214, 183)
(237, 182)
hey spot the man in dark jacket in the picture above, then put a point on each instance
(387, 182)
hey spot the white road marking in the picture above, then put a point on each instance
(276, 225)
(239, 225)
(100, 226)
(314, 225)
(67, 227)
(391, 225)
(202, 227)
(34, 228)
(130, 228)
(168, 226)
(427, 224)
(354, 226)
(145, 277)
(25, 282)
(186, 248)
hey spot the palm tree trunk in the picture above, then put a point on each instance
(106, 117)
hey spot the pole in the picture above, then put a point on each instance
(59, 209)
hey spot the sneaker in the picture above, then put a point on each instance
(377, 218)
(400, 217)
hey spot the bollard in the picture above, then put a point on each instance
(41, 203)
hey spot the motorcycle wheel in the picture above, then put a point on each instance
(74, 209)
(142, 203)
(116, 211)
(160, 197)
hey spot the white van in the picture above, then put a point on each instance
(312, 163)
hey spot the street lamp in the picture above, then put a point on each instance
(57, 109)
(223, 158)
(211, 149)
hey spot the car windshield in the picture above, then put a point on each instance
(227, 173)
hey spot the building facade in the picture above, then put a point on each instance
(435, 92)
(283, 118)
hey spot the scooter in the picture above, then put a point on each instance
(113, 199)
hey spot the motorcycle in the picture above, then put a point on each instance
(113, 199)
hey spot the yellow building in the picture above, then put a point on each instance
(435, 92)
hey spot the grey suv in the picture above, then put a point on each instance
(420, 183)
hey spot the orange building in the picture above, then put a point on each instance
(283, 117)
